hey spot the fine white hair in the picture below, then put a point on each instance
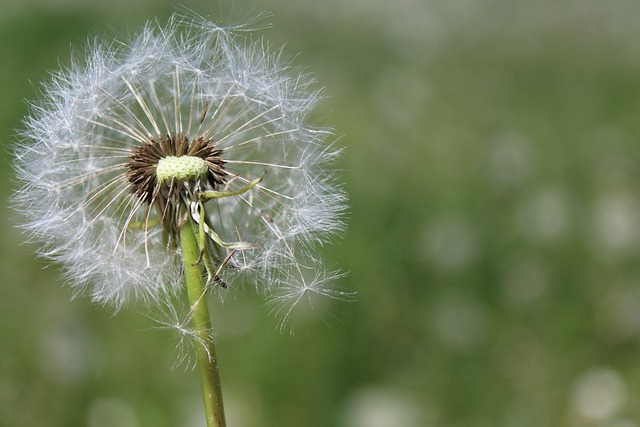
(192, 77)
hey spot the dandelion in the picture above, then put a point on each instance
(179, 161)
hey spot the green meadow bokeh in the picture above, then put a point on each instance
(493, 167)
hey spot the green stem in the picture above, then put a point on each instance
(206, 351)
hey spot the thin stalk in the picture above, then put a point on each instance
(206, 352)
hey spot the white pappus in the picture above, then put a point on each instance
(186, 120)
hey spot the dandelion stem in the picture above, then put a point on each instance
(206, 353)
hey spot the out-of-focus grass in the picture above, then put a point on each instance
(492, 164)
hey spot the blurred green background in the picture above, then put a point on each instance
(493, 153)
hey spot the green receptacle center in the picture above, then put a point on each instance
(183, 168)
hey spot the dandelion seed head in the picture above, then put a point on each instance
(117, 155)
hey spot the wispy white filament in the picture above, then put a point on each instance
(188, 77)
